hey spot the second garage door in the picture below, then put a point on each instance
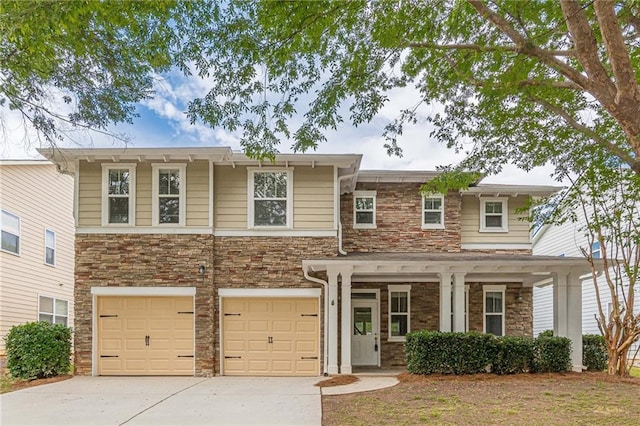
(145, 335)
(270, 336)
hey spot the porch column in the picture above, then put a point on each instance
(560, 305)
(574, 319)
(345, 353)
(332, 340)
(445, 301)
(458, 302)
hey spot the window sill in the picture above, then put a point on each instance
(493, 231)
(10, 252)
(49, 265)
(398, 339)
(428, 227)
(364, 226)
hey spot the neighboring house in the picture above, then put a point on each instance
(36, 255)
(567, 240)
(203, 261)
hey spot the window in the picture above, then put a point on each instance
(466, 308)
(169, 190)
(493, 215)
(364, 209)
(399, 309)
(433, 212)
(118, 194)
(10, 225)
(53, 311)
(49, 247)
(494, 309)
(596, 253)
(270, 198)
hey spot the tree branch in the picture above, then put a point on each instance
(479, 48)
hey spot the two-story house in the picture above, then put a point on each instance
(36, 255)
(204, 261)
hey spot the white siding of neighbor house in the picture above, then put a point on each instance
(470, 217)
(43, 199)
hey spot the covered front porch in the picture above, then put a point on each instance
(373, 299)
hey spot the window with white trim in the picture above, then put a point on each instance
(118, 194)
(433, 211)
(596, 252)
(10, 225)
(270, 198)
(49, 247)
(53, 311)
(364, 209)
(466, 308)
(169, 194)
(494, 307)
(493, 215)
(399, 312)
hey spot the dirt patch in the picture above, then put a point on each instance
(538, 399)
(15, 384)
(346, 379)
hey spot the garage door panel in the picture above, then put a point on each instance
(257, 325)
(306, 346)
(254, 307)
(234, 324)
(306, 326)
(282, 325)
(258, 346)
(282, 366)
(282, 346)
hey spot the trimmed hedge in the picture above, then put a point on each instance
(429, 352)
(594, 352)
(37, 350)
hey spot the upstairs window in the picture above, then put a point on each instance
(169, 188)
(433, 212)
(10, 225)
(364, 209)
(596, 252)
(49, 247)
(494, 309)
(399, 311)
(118, 194)
(493, 215)
(53, 311)
(271, 198)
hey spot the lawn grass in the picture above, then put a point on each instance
(635, 372)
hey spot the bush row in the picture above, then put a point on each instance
(594, 351)
(37, 350)
(429, 352)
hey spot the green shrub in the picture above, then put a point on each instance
(38, 350)
(430, 352)
(546, 333)
(552, 354)
(594, 352)
(514, 355)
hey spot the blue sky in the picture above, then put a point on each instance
(163, 122)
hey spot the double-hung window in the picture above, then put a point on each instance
(10, 225)
(53, 311)
(270, 198)
(596, 252)
(399, 312)
(433, 211)
(364, 209)
(169, 188)
(493, 215)
(49, 247)
(118, 194)
(494, 309)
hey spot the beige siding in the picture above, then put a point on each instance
(313, 198)
(90, 194)
(518, 229)
(143, 194)
(230, 195)
(198, 194)
(43, 199)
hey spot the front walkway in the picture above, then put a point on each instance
(166, 401)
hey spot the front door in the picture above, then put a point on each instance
(364, 339)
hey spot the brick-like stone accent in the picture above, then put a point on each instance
(399, 222)
(264, 262)
(136, 260)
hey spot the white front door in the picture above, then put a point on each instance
(365, 344)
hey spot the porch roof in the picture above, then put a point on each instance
(412, 266)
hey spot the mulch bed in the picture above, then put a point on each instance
(346, 379)
(23, 384)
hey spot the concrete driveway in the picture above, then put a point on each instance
(166, 401)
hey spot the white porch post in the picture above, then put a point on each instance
(345, 353)
(560, 305)
(332, 340)
(458, 302)
(574, 319)
(445, 301)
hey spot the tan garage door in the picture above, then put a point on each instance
(270, 336)
(145, 336)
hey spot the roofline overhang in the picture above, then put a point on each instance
(349, 162)
(489, 190)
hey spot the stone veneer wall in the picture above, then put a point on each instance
(138, 260)
(266, 262)
(399, 222)
(425, 313)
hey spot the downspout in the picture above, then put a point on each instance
(337, 207)
(326, 316)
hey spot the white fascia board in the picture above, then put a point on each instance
(269, 292)
(496, 246)
(143, 291)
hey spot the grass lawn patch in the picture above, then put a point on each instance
(635, 372)
(571, 398)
